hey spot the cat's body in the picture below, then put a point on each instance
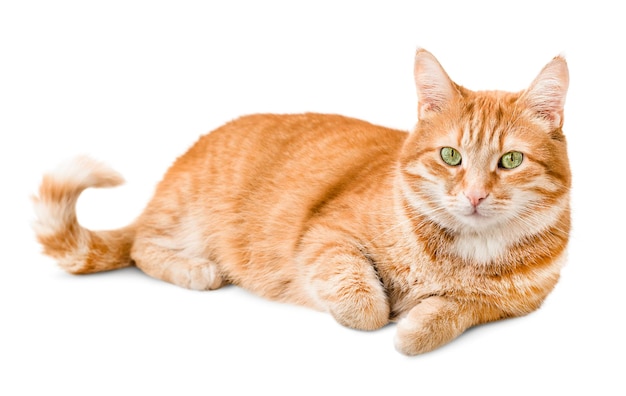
(368, 223)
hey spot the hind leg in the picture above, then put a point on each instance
(175, 265)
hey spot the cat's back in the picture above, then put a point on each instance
(292, 160)
(268, 148)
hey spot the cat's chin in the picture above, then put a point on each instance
(476, 221)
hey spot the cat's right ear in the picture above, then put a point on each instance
(434, 88)
(546, 94)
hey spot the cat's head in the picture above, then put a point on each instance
(487, 162)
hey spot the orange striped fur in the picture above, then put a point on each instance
(365, 222)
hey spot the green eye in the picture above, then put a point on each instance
(511, 160)
(450, 156)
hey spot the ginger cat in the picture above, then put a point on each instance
(462, 221)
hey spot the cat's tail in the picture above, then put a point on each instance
(77, 249)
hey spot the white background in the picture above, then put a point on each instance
(135, 83)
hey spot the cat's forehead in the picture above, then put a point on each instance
(475, 137)
(489, 121)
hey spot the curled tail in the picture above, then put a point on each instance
(77, 249)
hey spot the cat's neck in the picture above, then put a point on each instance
(481, 248)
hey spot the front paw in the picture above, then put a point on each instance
(432, 323)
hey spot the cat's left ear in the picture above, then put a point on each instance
(435, 90)
(546, 94)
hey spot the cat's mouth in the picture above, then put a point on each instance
(476, 217)
(483, 210)
(473, 212)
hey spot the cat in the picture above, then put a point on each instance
(461, 221)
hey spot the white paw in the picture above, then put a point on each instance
(196, 275)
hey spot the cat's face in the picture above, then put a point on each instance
(485, 162)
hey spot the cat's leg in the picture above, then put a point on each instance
(435, 321)
(175, 265)
(344, 282)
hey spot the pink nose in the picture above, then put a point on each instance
(476, 196)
